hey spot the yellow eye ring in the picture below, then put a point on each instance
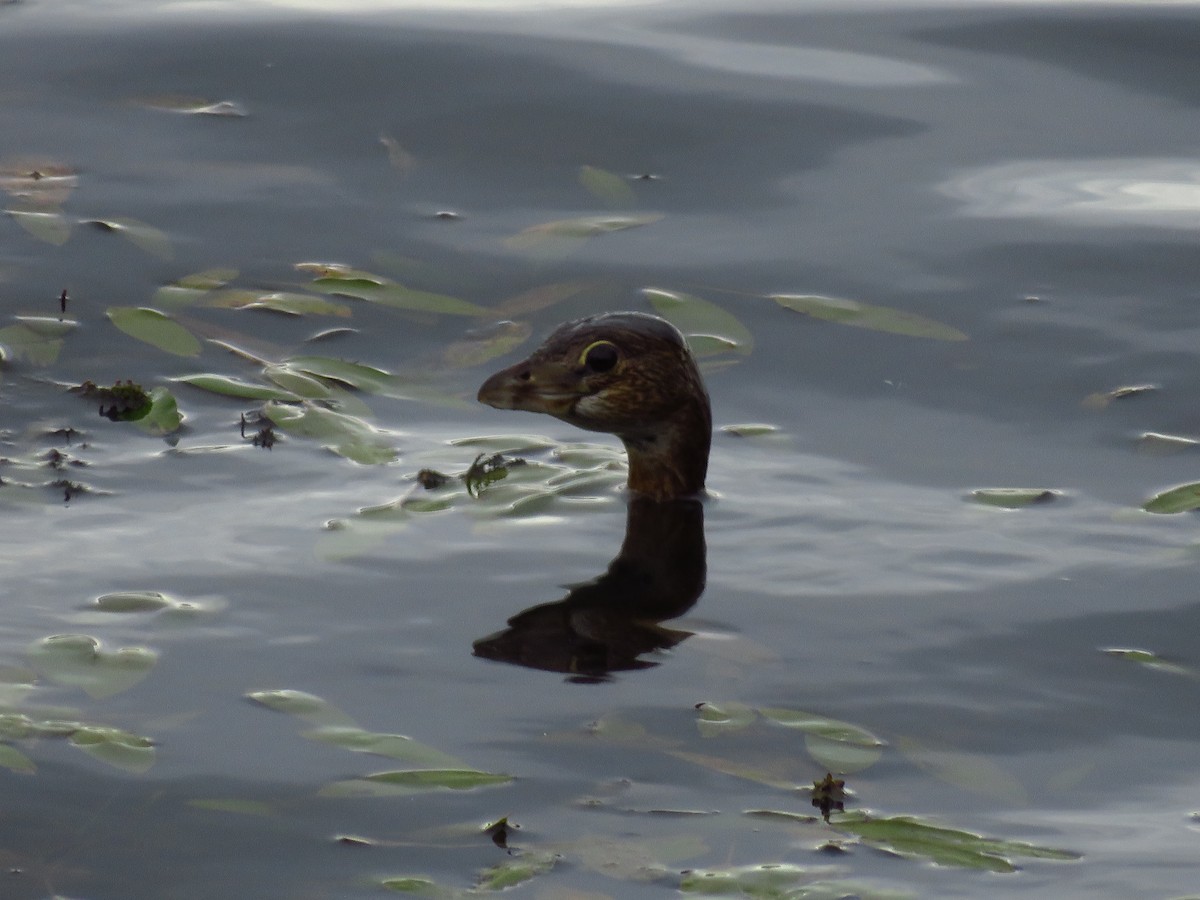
(599, 356)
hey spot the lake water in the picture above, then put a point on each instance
(1008, 192)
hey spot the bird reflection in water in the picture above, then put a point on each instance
(631, 375)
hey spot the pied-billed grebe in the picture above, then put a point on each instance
(628, 374)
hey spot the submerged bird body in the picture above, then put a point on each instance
(628, 374)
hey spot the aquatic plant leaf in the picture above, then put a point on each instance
(303, 705)
(1150, 660)
(782, 774)
(397, 296)
(502, 338)
(393, 746)
(34, 340)
(144, 237)
(697, 316)
(1184, 498)
(538, 298)
(767, 881)
(552, 240)
(134, 602)
(419, 886)
(299, 383)
(164, 416)
(236, 805)
(913, 837)
(644, 859)
(79, 660)
(233, 387)
(345, 435)
(830, 729)
(155, 328)
(723, 718)
(292, 304)
(413, 781)
(862, 315)
(15, 761)
(1014, 498)
(355, 375)
(750, 429)
(51, 227)
(117, 748)
(1154, 442)
(516, 870)
(1101, 399)
(968, 771)
(192, 106)
(398, 158)
(609, 188)
(208, 279)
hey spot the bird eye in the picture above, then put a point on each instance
(600, 356)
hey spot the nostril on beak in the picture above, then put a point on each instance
(525, 375)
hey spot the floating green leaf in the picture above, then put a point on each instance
(35, 339)
(966, 771)
(355, 375)
(772, 880)
(608, 187)
(836, 745)
(1150, 660)
(1153, 442)
(515, 870)
(1014, 498)
(1184, 498)
(419, 886)
(910, 836)
(79, 660)
(144, 237)
(155, 328)
(299, 383)
(280, 301)
(538, 298)
(393, 746)
(134, 602)
(233, 387)
(750, 429)
(723, 718)
(502, 338)
(15, 761)
(413, 781)
(163, 416)
(397, 296)
(345, 435)
(303, 705)
(130, 752)
(51, 227)
(553, 238)
(700, 317)
(861, 315)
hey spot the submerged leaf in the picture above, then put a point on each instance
(155, 328)
(862, 315)
(1184, 498)
(723, 718)
(549, 237)
(164, 416)
(1162, 444)
(498, 340)
(1101, 399)
(303, 705)
(695, 316)
(345, 435)
(607, 187)
(515, 870)
(1150, 660)
(393, 746)
(144, 237)
(538, 298)
(51, 227)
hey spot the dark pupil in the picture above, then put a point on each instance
(601, 358)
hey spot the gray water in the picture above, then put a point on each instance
(1025, 174)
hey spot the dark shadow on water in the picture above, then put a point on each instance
(610, 623)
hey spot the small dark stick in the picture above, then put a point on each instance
(62, 303)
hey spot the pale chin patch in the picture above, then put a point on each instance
(590, 407)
